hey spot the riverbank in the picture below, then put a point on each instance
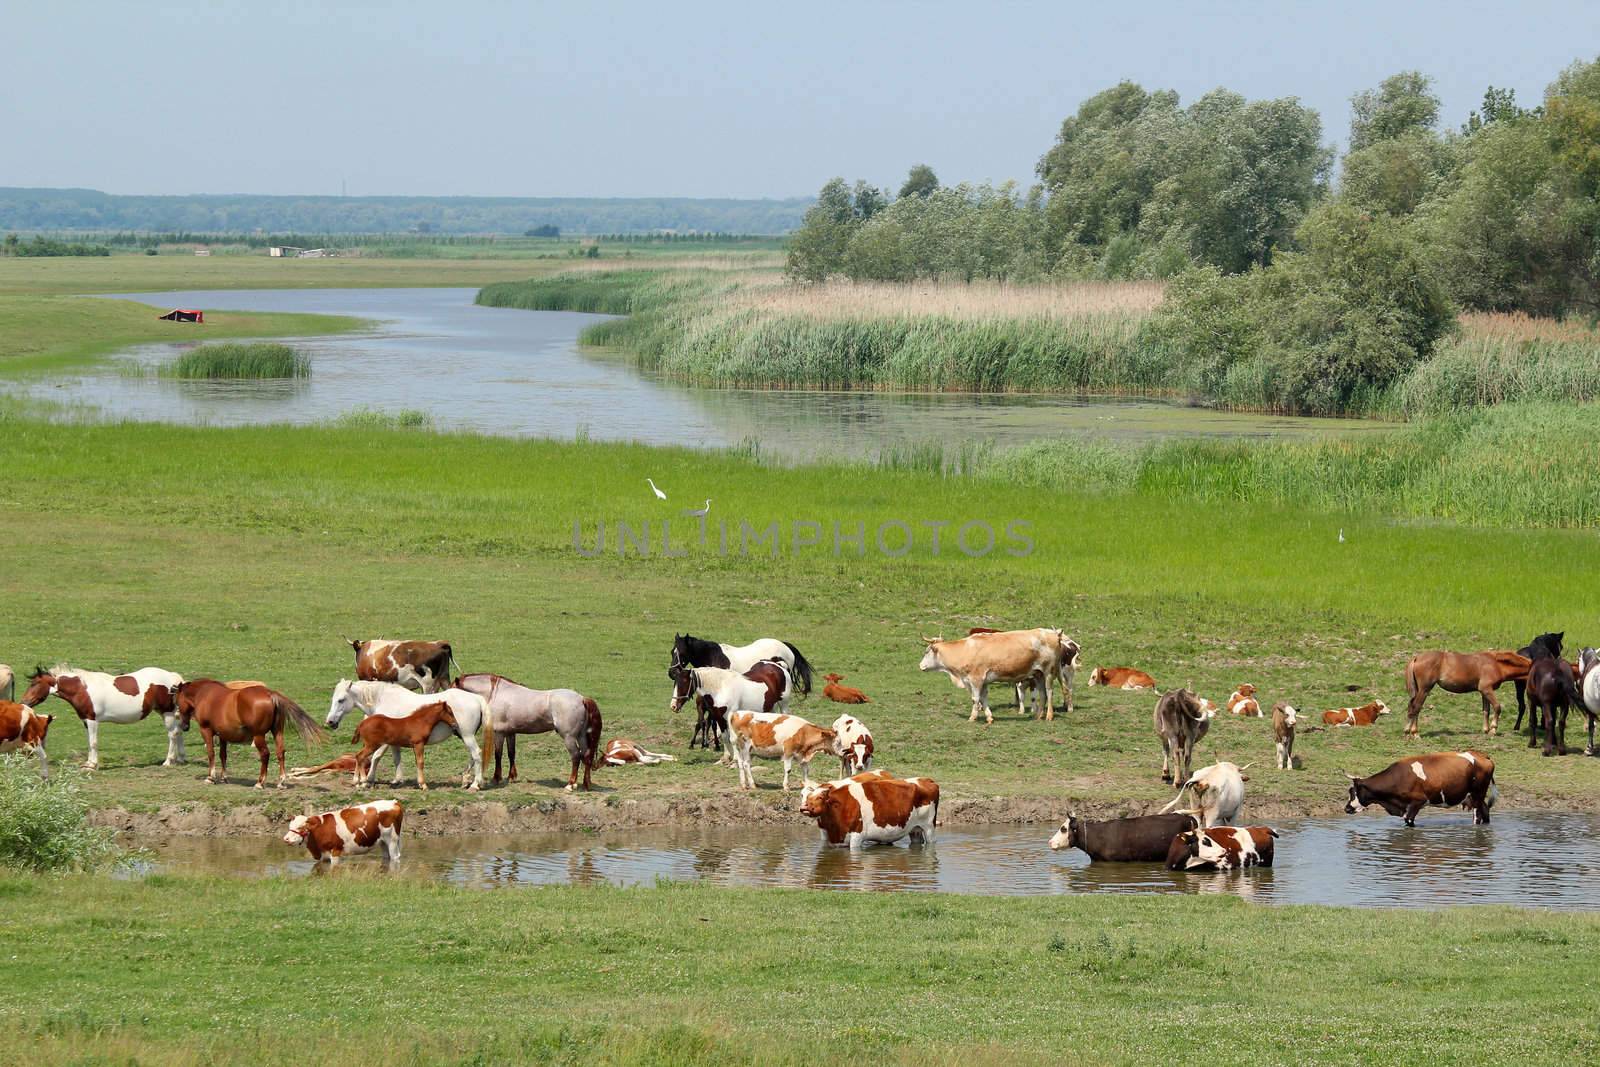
(755, 329)
(850, 975)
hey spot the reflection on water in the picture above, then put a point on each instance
(520, 373)
(1537, 859)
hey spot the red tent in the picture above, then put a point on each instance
(184, 315)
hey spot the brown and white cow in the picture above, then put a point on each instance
(1121, 678)
(1283, 720)
(775, 736)
(1222, 848)
(23, 730)
(873, 807)
(852, 744)
(1242, 701)
(979, 660)
(1365, 715)
(1439, 779)
(1181, 720)
(423, 666)
(333, 835)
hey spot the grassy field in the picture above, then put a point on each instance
(248, 553)
(176, 970)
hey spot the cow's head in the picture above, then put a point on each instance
(1069, 836)
(833, 677)
(1383, 709)
(1097, 676)
(1360, 796)
(930, 656)
(1288, 711)
(299, 827)
(685, 684)
(1184, 847)
(814, 800)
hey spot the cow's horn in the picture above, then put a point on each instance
(1350, 776)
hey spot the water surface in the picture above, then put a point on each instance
(521, 373)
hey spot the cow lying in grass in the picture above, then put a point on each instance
(873, 807)
(1365, 715)
(842, 694)
(332, 835)
(1242, 701)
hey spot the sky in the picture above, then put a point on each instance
(687, 98)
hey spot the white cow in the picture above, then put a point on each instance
(852, 743)
(1218, 793)
(396, 702)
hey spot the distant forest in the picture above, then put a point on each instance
(85, 209)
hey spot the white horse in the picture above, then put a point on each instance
(98, 698)
(385, 698)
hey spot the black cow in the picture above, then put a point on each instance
(1141, 839)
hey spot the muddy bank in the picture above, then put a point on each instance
(424, 816)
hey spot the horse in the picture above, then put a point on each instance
(383, 731)
(8, 683)
(1458, 672)
(472, 713)
(1589, 691)
(249, 714)
(1543, 645)
(518, 709)
(98, 698)
(690, 651)
(1551, 690)
(718, 692)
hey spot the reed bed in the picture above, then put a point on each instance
(977, 301)
(231, 360)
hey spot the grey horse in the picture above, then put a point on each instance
(520, 710)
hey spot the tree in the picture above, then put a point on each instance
(817, 248)
(1397, 176)
(1403, 103)
(1499, 105)
(867, 200)
(921, 181)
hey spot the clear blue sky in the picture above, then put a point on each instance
(678, 99)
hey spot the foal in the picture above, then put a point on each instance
(376, 731)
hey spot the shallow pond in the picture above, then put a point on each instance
(1536, 859)
(521, 373)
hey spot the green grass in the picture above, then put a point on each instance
(248, 553)
(259, 359)
(180, 970)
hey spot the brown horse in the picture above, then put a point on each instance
(1461, 672)
(378, 731)
(243, 714)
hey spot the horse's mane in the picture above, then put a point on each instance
(64, 669)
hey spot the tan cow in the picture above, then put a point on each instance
(979, 660)
(23, 730)
(422, 666)
(1121, 678)
(1283, 720)
(1365, 715)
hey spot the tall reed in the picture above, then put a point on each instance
(239, 359)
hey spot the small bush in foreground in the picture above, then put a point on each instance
(44, 826)
(239, 360)
(373, 419)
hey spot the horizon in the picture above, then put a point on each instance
(561, 103)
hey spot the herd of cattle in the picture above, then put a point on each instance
(408, 699)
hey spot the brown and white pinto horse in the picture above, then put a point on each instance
(248, 714)
(1456, 672)
(98, 697)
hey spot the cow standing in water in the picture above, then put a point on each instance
(1439, 779)
(421, 666)
(98, 698)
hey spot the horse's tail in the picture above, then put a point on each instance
(488, 734)
(802, 668)
(591, 731)
(293, 714)
(1411, 678)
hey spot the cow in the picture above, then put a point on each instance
(1439, 779)
(1068, 659)
(1221, 848)
(1218, 793)
(620, 751)
(776, 736)
(1283, 719)
(1181, 720)
(1141, 839)
(8, 683)
(1121, 678)
(422, 666)
(852, 744)
(842, 694)
(1242, 701)
(873, 808)
(23, 730)
(1365, 715)
(979, 660)
(332, 835)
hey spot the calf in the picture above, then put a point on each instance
(331, 836)
(420, 665)
(774, 736)
(1218, 793)
(1181, 720)
(376, 731)
(1141, 839)
(1439, 779)
(23, 730)
(1283, 717)
(1242, 701)
(1221, 848)
(873, 807)
(619, 750)
(1365, 715)
(1121, 678)
(842, 694)
(852, 744)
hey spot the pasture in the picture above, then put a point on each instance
(248, 553)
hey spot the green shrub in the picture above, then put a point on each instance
(44, 826)
(365, 418)
(239, 359)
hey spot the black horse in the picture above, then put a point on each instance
(688, 651)
(1551, 690)
(1540, 647)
